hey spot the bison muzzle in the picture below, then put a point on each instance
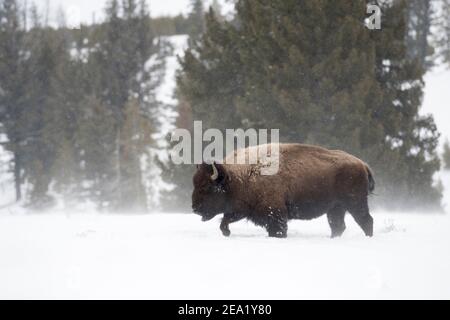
(311, 181)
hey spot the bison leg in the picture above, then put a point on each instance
(336, 219)
(229, 218)
(277, 224)
(361, 214)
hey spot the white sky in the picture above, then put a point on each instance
(437, 99)
(83, 10)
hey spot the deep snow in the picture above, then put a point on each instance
(179, 257)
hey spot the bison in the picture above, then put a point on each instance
(311, 181)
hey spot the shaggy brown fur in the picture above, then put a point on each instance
(312, 181)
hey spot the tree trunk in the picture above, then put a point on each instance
(17, 178)
(423, 30)
(119, 169)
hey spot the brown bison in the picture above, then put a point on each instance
(311, 181)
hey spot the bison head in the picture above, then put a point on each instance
(210, 191)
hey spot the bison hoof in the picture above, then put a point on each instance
(335, 235)
(226, 233)
(278, 234)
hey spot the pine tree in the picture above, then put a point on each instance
(135, 137)
(211, 98)
(443, 33)
(446, 155)
(196, 21)
(69, 100)
(45, 50)
(123, 76)
(12, 69)
(420, 18)
(413, 139)
(37, 120)
(62, 118)
(316, 72)
(178, 196)
(218, 82)
(96, 138)
(217, 9)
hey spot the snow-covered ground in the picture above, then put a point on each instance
(179, 257)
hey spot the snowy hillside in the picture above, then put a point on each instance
(179, 257)
(166, 115)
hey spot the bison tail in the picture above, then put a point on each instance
(371, 180)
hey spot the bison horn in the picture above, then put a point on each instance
(215, 175)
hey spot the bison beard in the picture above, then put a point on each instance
(312, 181)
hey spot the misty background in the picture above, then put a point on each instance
(87, 11)
(90, 91)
